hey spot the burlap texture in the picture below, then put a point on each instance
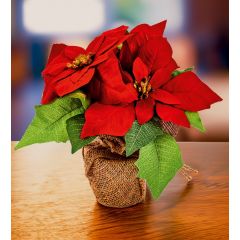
(169, 128)
(112, 175)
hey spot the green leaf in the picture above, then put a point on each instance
(159, 162)
(195, 120)
(74, 128)
(140, 135)
(82, 97)
(49, 122)
(177, 72)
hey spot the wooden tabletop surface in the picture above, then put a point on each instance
(52, 199)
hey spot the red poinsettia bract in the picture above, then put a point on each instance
(155, 91)
(71, 67)
(108, 85)
(139, 36)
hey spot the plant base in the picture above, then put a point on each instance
(112, 175)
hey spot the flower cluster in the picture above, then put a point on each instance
(123, 84)
(128, 76)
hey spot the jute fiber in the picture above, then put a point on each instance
(169, 127)
(112, 175)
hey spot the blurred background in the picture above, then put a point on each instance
(197, 31)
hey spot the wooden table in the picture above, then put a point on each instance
(52, 199)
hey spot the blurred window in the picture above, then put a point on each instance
(63, 16)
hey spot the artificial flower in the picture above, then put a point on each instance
(126, 80)
(113, 120)
(71, 67)
(108, 85)
(139, 36)
(156, 90)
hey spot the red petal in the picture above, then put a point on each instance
(165, 97)
(126, 57)
(144, 32)
(55, 51)
(130, 49)
(108, 119)
(100, 59)
(163, 75)
(156, 53)
(125, 94)
(49, 94)
(140, 28)
(191, 102)
(158, 29)
(113, 89)
(171, 114)
(123, 38)
(95, 44)
(57, 68)
(140, 70)
(127, 78)
(193, 94)
(55, 72)
(93, 88)
(151, 31)
(107, 44)
(111, 39)
(118, 31)
(111, 43)
(145, 110)
(74, 82)
(72, 52)
(135, 42)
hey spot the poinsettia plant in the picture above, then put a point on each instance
(123, 84)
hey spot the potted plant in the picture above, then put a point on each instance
(121, 100)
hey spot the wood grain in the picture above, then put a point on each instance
(52, 199)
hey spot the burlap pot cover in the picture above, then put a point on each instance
(112, 175)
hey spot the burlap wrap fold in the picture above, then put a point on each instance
(112, 175)
(169, 127)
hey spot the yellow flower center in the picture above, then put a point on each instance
(143, 88)
(81, 61)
